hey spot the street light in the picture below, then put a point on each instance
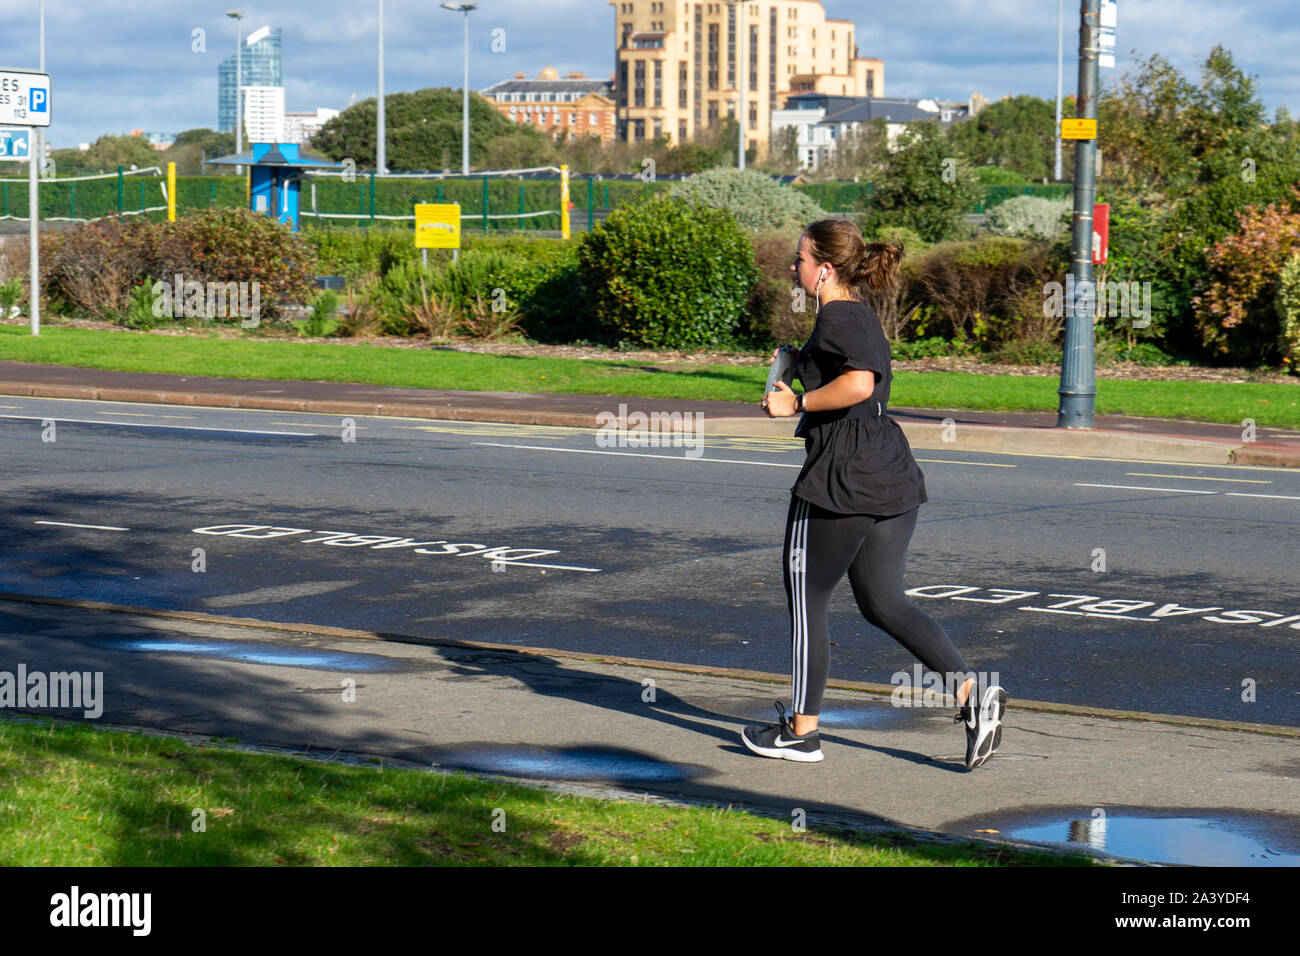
(464, 8)
(381, 157)
(740, 81)
(238, 17)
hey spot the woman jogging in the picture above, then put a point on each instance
(854, 506)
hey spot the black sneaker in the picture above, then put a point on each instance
(983, 725)
(779, 740)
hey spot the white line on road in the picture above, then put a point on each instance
(1247, 494)
(191, 428)
(1184, 491)
(97, 527)
(529, 564)
(981, 464)
(1240, 481)
(634, 454)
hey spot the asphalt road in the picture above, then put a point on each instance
(1124, 584)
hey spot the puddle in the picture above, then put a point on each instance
(877, 716)
(576, 763)
(255, 653)
(1216, 838)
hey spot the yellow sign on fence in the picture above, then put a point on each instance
(1078, 129)
(437, 225)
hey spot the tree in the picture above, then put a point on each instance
(420, 129)
(922, 186)
(1016, 134)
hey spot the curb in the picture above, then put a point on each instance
(1084, 443)
(324, 630)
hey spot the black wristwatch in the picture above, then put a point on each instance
(798, 403)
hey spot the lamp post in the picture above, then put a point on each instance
(1078, 389)
(464, 8)
(238, 17)
(381, 157)
(740, 82)
(1060, 25)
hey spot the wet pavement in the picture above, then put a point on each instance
(1160, 790)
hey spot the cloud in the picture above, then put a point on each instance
(128, 65)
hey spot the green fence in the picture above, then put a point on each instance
(488, 203)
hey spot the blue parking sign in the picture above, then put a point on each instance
(38, 98)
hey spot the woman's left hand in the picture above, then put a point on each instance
(780, 403)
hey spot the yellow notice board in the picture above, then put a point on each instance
(437, 225)
(1078, 129)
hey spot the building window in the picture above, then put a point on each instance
(659, 83)
(638, 84)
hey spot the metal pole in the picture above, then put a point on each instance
(1060, 53)
(40, 135)
(34, 208)
(1078, 383)
(381, 158)
(239, 90)
(34, 238)
(464, 158)
(740, 83)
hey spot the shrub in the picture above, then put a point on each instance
(933, 347)
(321, 319)
(1236, 314)
(770, 308)
(757, 201)
(1027, 216)
(92, 268)
(1287, 304)
(665, 274)
(990, 290)
(11, 293)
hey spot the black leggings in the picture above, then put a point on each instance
(820, 546)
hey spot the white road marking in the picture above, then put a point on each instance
(634, 454)
(97, 527)
(319, 425)
(192, 428)
(1185, 491)
(528, 564)
(1243, 481)
(981, 464)
(1247, 494)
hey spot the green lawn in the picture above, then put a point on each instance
(74, 795)
(1269, 405)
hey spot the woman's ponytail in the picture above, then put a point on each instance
(879, 267)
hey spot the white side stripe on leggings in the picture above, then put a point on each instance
(798, 571)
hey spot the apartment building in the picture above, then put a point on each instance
(680, 65)
(576, 104)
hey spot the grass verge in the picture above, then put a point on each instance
(1268, 405)
(75, 795)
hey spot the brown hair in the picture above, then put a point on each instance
(862, 265)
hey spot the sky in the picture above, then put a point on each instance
(132, 64)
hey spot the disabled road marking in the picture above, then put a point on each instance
(97, 527)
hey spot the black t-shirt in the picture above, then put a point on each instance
(859, 461)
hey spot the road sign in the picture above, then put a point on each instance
(1106, 33)
(437, 225)
(1100, 233)
(24, 98)
(15, 143)
(1078, 129)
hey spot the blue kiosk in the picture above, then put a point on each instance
(275, 175)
